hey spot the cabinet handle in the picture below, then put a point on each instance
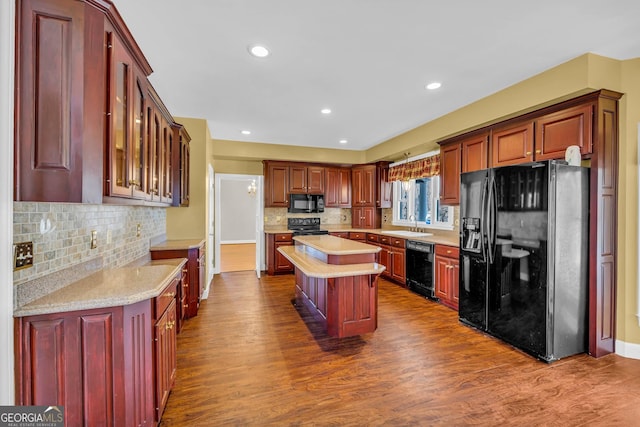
(171, 294)
(185, 305)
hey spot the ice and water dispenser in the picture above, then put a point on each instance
(471, 235)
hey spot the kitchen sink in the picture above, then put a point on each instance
(406, 233)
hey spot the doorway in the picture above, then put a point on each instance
(239, 223)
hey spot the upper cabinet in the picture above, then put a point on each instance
(89, 126)
(475, 152)
(337, 188)
(556, 131)
(306, 179)
(450, 173)
(181, 158)
(512, 145)
(276, 184)
(363, 182)
(50, 114)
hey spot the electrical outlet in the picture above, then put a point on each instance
(22, 255)
(138, 230)
(94, 239)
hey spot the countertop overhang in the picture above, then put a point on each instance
(313, 267)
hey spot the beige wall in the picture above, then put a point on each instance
(576, 77)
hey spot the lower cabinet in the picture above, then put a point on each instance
(100, 364)
(276, 262)
(392, 256)
(447, 275)
(196, 274)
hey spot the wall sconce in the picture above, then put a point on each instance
(251, 189)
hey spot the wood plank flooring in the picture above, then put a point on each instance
(237, 257)
(252, 358)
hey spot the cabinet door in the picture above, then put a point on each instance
(512, 145)
(454, 279)
(450, 174)
(298, 179)
(442, 286)
(332, 186)
(555, 132)
(475, 153)
(384, 186)
(49, 83)
(315, 179)
(384, 258)
(119, 123)
(368, 192)
(162, 361)
(398, 266)
(167, 164)
(276, 185)
(282, 264)
(139, 151)
(154, 153)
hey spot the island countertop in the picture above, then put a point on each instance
(314, 267)
(332, 245)
(107, 288)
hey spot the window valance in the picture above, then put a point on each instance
(422, 168)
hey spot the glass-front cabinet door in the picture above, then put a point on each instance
(138, 158)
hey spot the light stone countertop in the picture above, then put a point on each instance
(313, 267)
(170, 245)
(332, 245)
(440, 240)
(108, 288)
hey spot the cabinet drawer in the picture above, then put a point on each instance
(448, 251)
(373, 238)
(284, 237)
(397, 242)
(163, 300)
(343, 234)
(355, 235)
(384, 240)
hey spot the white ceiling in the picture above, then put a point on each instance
(367, 60)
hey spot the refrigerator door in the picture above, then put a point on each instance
(517, 292)
(473, 249)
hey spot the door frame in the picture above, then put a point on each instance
(220, 177)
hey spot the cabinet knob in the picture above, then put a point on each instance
(528, 153)
(448, 251)
(171, 294)
(538, 151)
(185, 305)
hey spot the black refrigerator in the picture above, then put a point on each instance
(523, 256)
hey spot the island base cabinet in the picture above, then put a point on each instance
(96, 363)
(347, 306)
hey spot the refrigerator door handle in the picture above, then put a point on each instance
(491, 223)
(483, 218)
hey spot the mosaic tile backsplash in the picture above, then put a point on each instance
(61, 234)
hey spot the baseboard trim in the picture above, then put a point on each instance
(629, 350)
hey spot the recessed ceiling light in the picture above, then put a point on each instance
(326, 111)
(343, 141)
(258, 51)
(246, 132)
(434, 85)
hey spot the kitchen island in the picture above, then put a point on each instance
(337, 279)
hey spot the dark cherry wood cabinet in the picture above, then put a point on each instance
(370, 192)
(475, 152)
(392, 256)
(85, 117)
(165, 344)
(96, 363)
(447, 268)
(383, 186)
(306, 179)
(557, 131)
(337, 188)
(276, 180)
(53, 160)
(450, 165)
(196, 271)
(276, 262)
(363, 181)
(181, 159)
(365, 217)
(512, 145)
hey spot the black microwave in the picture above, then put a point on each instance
(306, 203)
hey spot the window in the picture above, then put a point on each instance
(416, 203)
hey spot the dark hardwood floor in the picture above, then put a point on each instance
(251, 357)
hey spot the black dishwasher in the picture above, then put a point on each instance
(420, 268)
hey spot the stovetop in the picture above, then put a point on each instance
(305, 226)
